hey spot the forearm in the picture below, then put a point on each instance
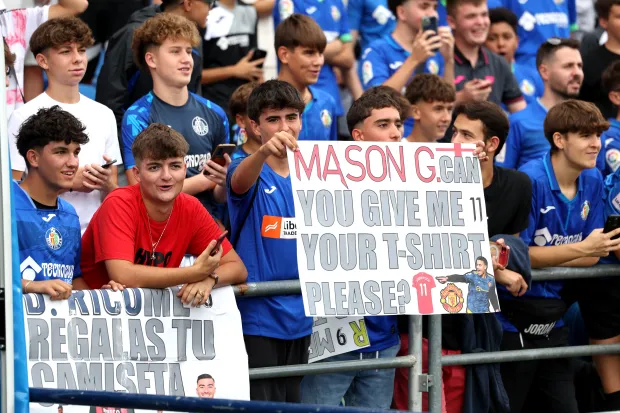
(556, 255)
(247, 173)
(332, 49)
(448, 71)
(456, 278)
(217, 74)
(33, 82)
(79, 284)
(112, 184)
(353, 83)
(402, 75)
(219, 194)
(68, 8)
(345, 59)
(231, 273)
(144, 276)
(264, 8)
(197, 184)
(581, 262)
(516, 106)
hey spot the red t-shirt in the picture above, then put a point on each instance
(119, 231)
(424, 283)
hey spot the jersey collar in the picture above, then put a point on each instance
(394, 44)
(483, 57)
(614, 123)
(553, 182)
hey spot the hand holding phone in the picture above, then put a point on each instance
(613, 222)
(500, 252)
(218, 243)
(108, 164)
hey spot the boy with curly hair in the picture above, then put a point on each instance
(59, 46)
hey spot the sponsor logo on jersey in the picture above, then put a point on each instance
(53, 238)
(242, 137)
(29, 269)
(197, 160)
(546, 209)
(612, 157)
(48, 218)
(395, 65)
(310, 10)
(527, 88)
(585, 210)
(286, 8)
(381, 15)
(616, 202)
(200, 126)
(528, 21)
(365, 53)
(241, 40)
(432, 66)
(271, 190)
(326, 118)
(543, 237)
(452, 298)
(367, 71)
(278, 227)
(335, 13)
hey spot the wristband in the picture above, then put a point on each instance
(215, 277)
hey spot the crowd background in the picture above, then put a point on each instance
(137, 121)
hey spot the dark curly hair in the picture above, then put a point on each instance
(274, 95)
(60, 31)
(49, 125)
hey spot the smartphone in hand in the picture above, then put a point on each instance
(218, 243)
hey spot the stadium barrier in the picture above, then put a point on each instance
(422, 383)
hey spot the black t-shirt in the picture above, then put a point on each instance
(508, 201)
(594, 64)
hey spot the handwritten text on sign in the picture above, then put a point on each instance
(377, 223)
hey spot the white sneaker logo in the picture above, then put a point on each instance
(546, 209)
(271, 190)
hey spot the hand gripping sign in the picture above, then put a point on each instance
(391, 228)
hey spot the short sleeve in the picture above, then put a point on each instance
(511, 92)
(374, 70)
(355, 8)
(510, 153)
(77, 269)
(18, 163)
(114, 231)
(205, 231)
(134, 121)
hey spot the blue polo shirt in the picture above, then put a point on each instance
(538, 21)
(556, 220)
(318, 121)
(608, 158)
(331, 16)
(526, 137)
(529, 81)
(371, 19)
(383, 58)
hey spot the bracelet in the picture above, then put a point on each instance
(215, 277)
(26, 286)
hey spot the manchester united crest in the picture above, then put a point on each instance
(452, 298)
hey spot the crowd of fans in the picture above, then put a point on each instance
(184, 137)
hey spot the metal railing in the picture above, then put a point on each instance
(418, 383)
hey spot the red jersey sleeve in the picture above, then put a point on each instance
(204, 230)
(115, 231)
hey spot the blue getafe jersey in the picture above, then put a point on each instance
(50, 240)
(318, 122)
(478, 292)
(529, 82)
(526, 138)
(331, 16)
(371, 19)
(538, 21)
(443, 13)
(612, 206)
(382, 333)
(267, 246)
(555, 220)
(609, 157)
(203, 124)
(383, 58)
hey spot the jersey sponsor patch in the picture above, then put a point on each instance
(432, 67)
(53, 238)
(367, 72)
(616, 202)
(612, 156)
(326, 118)
(29, 269)
(286, 8)
(527, 88)
(585, 210)
(381, 15)
(278, 227)
(527, 21)
(200, 126)
(335, 13)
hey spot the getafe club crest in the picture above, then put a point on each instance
(53, 238)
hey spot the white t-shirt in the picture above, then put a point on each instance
(102, 133)
(17, 27)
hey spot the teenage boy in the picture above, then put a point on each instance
(598, 59)
(565, 229)
(479, 74)
(374, 117)
(394, 59)
(276, 330)
(609, 157)
(560, 66)
(48, 226)
(300, 44)
(247, 141)
(331, 16)
(538, 21)
(17, 26)
(59, 46)
(163, 47)
(432, 101)
(140, 234)
(122, 81)
(503, 40)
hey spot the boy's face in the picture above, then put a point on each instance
(383, 125)
(172, 62)
(197, 12)
(411, 12)
(161, 181)
(503, 41)
(305, 63)
(580, 149)
(471, 23)
(433, 118)
(56, 163)
(563, 71)
(612, 23)
(65, 64)
(277, 120)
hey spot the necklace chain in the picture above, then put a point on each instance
(155, 244)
